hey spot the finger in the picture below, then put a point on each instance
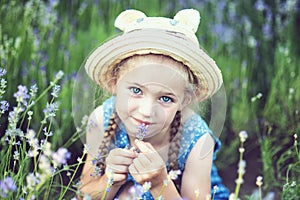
(144, 160)
(119, 177)
(125, 153)
(120, 160)
(143, 165)
(142, 146)
(118, 168)
(135, 174)
(149, 145)
(132, 169)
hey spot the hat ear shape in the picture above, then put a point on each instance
(127, 17)
(189, 17)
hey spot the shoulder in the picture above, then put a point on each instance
(94, 130)
(194, 128)
(97, 124)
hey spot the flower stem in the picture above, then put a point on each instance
(74, 173)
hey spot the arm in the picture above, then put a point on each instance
(196, 175)
(94, 185)
(118, 160)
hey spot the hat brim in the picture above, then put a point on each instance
(102, 60)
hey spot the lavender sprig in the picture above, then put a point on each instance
(142, 131)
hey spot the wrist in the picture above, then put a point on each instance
(166, 189)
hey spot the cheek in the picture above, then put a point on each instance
(166, 115)
(125, 104)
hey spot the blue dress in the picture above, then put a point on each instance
(193, 129)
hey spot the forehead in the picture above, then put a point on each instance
(167, 76)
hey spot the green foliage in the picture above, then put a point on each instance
(257, 49)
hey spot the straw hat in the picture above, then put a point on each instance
(158, 35)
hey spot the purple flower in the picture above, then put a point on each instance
(4, 105)
(55, 91)
(2, 72)
(22, 94)
(50, 109)
(136, 191)
(267, 29)
(223, 32)
(260, 5)
(61, 156)
(142, 131)
(33, 90)
(7, 185)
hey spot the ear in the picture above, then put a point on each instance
(127, 17)
(114, 89)
(187, 100)
(189, 17)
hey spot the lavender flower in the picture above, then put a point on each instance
(55, 91)
(97, 172)
(22, 94)
(260, 5)
(142, 131)
(223, 32)
(7, 185)
(61, 156)
(47, 133)
(32, 180)
(2, 86)
(136, 191)
(173, 174)
(146, 186)
(2, 72)
(59, 75)
(243, 136)
(13, 118)
(45, 167)
(50, 109)
(16, 155)
(4, 105)
(33, 90)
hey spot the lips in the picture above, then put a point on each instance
(142, 122)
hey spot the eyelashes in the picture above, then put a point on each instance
(137, 92)
(166, 99)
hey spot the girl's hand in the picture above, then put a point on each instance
(118, 161)
(148, 165)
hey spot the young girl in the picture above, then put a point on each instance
(146, 133)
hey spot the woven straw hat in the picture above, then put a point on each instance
(158, 35)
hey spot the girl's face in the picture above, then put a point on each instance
(150, 94)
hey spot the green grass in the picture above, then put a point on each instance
(36, 41)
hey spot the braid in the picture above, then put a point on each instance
(108, 135)
(175, 139)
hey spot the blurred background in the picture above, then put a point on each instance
(256, 43)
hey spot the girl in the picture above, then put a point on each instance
(146, 133)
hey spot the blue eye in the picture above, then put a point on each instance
(136, 90)
(166, 99)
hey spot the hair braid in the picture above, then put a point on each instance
(106, 142)
(175, 139)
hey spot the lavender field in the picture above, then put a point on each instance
(43, 45)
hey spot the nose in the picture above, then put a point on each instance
(146, 107)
